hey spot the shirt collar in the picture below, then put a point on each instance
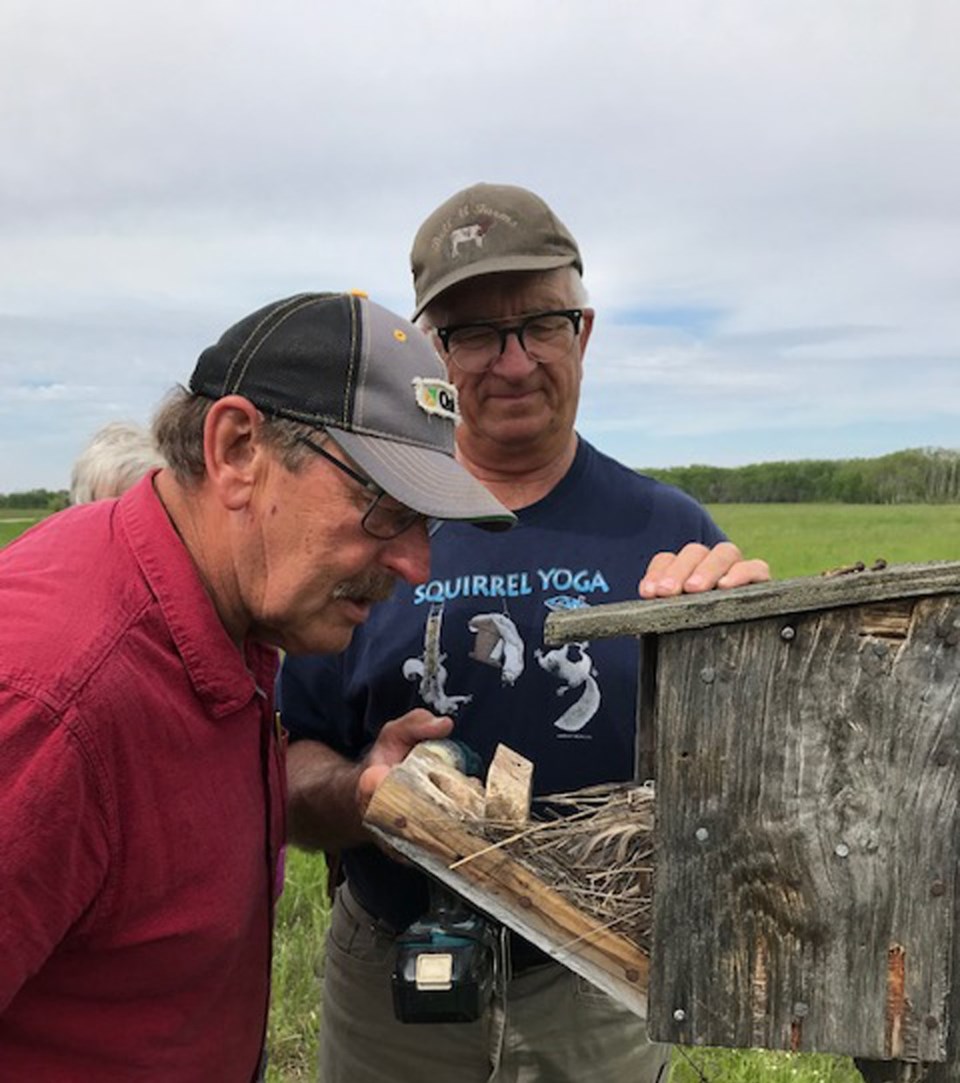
(224, 678)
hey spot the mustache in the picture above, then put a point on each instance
(370, 587)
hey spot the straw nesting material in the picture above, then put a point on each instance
(595, 848)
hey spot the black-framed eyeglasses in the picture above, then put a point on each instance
(545, 337)
(380, 520)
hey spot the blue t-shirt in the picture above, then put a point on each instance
(469, 643)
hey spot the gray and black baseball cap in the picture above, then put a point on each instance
(342, 363)
(485, 229)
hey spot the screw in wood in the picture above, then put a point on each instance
(679, 1015)
(842, 849)
(787, 633)
(701, 834)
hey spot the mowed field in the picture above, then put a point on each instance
(805, 539)
(796, 539)
(14, 521)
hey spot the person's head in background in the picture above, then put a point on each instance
(116, 458)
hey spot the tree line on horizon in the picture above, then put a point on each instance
(913, 476)
(36, 500)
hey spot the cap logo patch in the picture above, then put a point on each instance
(472, 234)
(463, 231)
(436, 396)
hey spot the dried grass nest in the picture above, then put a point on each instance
(595, 848)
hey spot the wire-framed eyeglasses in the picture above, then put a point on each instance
(545, 337)
(381, 520)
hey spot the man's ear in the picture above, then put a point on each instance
(232, 449)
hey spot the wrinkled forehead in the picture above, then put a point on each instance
(496, 296)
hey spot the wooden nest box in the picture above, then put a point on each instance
(805, 739)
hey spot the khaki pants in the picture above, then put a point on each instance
(556, 1028)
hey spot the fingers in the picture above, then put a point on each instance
(744, 572)
(696, 568)
(391, 747)
(418, 725)
(661, 573)
(397, 737)
(369, 780)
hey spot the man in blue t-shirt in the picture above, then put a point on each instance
(498, 285)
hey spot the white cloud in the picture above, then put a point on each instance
(784, 177)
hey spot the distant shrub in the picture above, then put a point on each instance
(914, 476)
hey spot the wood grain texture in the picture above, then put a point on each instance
(509, 787)
(807, 788)
(416, 817)
(754, 602)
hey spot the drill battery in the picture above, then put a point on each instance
(447, 964)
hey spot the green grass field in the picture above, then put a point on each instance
(796, 539)
(294, 1014)
(14, 521)
(804, 539)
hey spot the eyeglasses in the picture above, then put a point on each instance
(545, 337)
(380, 520)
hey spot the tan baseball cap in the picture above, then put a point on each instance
(485, 229)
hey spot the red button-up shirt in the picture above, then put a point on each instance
(141, 809)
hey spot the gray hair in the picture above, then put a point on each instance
(435, 315)
(117, 457)
(178, 433)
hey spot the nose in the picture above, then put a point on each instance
(513, 361)
(408, 554)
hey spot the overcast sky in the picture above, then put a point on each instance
(766, 194)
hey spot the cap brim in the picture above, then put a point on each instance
(428, 481)
(492, 265)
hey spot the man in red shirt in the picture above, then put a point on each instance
(141, 773)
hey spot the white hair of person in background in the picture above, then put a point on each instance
(117, 456)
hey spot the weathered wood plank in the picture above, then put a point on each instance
(944, 1072)
(407, 813)
(645, 738)
(754, 602)
(509, 787)
(807, 790)
(433, 765)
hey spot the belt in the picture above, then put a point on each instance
(523, 954)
